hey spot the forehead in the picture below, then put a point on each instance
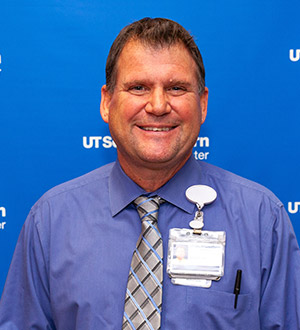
(139, 56)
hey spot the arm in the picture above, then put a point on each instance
(25, 302)
(280, 286)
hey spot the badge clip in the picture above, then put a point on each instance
(198, 222)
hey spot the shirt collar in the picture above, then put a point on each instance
(122, 190)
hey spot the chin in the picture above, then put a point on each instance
(162, 159)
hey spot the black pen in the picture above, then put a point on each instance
(237, 286)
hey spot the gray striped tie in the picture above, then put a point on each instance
(144, 288)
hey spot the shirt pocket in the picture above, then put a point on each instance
(210, 309)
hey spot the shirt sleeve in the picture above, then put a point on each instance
(280, 286)
(25, 303)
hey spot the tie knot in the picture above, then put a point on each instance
(147, 207)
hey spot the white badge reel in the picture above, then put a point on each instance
(196, 257)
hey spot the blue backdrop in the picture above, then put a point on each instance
(52, 62)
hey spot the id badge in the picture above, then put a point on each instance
(195, 257)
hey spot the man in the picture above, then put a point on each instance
(73, 261)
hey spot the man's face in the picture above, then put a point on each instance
(155, 111)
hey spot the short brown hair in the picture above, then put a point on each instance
(155, 32)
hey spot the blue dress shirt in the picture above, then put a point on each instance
(72, 259)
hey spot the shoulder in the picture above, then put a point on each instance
(235, 183)
(89, 182)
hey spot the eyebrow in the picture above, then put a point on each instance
(175, 82)
(136, 82)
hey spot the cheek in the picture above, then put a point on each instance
(126, 109)
(189, 112)
(117, 113)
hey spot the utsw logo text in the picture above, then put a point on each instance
(107, 142)
(3, 215)
(294, 55)
(94, 142)
(293, 207)
(2, 212)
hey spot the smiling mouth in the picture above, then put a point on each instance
(157, 129)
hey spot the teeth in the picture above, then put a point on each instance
(156, 129)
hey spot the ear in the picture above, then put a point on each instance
(203, 103)
(105, 103)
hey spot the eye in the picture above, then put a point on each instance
(177, 90)
(138, 89)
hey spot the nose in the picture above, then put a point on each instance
(158, 103)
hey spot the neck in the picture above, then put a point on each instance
(151, 176)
